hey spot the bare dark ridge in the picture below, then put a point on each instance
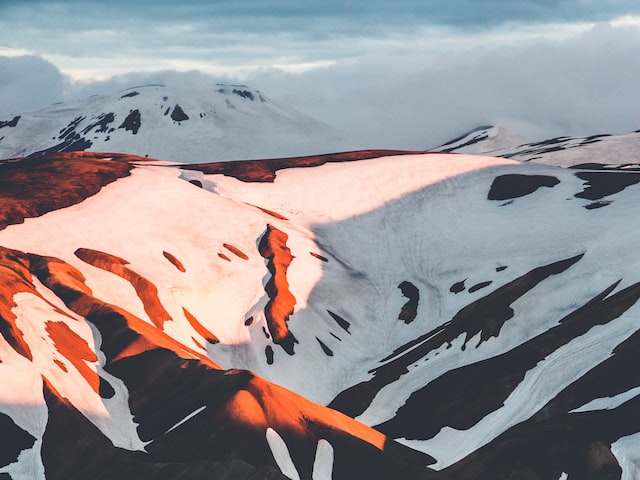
(484, 316)
(13, 440)
(462, 397)
(578, 444)
(608, 379)
(265, 170)
(74, 449)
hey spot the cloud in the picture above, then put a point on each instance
(412, 87)
(540, 88)
(28, 82)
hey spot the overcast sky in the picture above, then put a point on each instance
(401, 73)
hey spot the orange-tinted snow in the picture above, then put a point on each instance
(134, 334)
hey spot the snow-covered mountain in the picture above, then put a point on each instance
(621, 150)
(369, 315)
(220, 122)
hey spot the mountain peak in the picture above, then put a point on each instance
(214, 123)
(483, 139)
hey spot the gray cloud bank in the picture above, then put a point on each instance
(580, 85)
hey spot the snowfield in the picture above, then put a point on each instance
(364, 315)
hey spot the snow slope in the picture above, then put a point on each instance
(220, 122)
(622, 150)
(480, 313)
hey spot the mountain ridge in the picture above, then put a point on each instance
(505, 293)
(185, 124)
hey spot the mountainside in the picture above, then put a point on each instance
(374, 314)
(621, 150)
(221, 122)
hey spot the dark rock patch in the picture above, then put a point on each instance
(101, 124)
(458, 286)
(10, 123)
(603, 184)
(268, 352)
(130, 94)
(505, 187)
(318, 256)
(105, 389)
(479, 286)
(485, 316)
(340, 321)
(409, 310)
(13, 440)
(178, 115)
(132, 122)
(248, 321)
(501, 268)
(595, 205)
(197, 183)
(327, 351)
(224, 257)
(244, 93)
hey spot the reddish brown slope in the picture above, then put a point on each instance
(265, 170)
(273, 247)
(30, 187)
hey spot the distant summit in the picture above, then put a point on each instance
(482, 140)
(603, 149)
(215, 123)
